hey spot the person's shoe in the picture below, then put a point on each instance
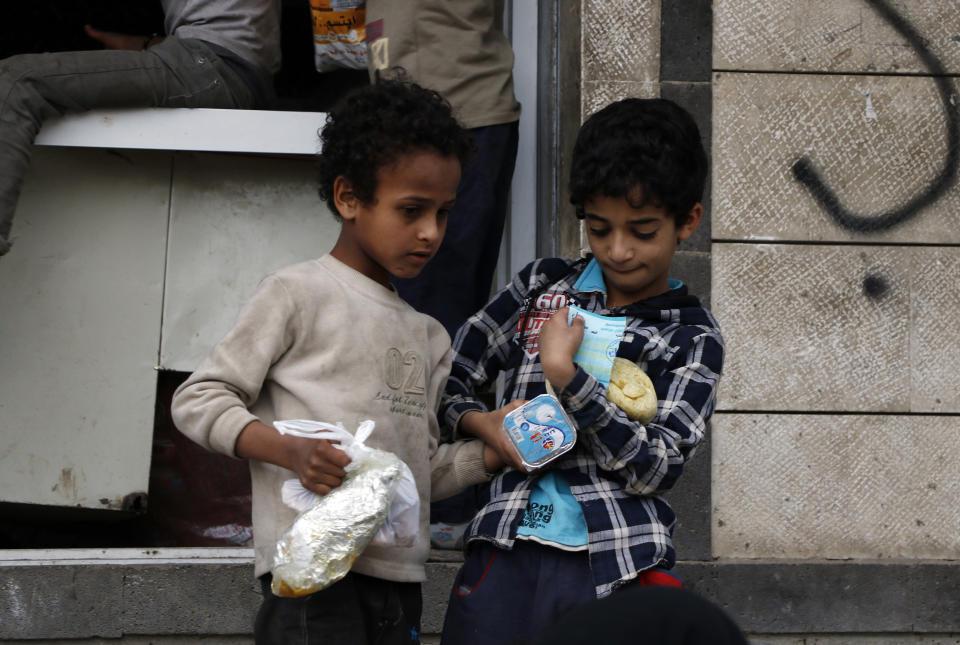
(447, 536)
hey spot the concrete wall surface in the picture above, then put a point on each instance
(164, 602)
(838, 328)
(877, 140)
(834, 260)
(620, 53)
(846, 36)
(835, 487)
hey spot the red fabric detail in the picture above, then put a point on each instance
(658, 578)
(489, 562)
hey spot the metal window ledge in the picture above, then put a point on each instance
(198, 129)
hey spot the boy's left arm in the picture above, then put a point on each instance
(457, 465)
(648, 457)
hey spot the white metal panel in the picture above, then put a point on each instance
(234, 219)
(519, 244)
(122, 556)
(257, 131)
(80, 296)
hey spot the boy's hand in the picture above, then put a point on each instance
(318, 463)
(488, 426)
(115, 40)
(558, 343)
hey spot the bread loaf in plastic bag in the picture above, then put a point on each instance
(377, 503)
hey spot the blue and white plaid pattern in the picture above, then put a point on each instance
(619, 466)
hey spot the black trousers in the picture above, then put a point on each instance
(357, 610)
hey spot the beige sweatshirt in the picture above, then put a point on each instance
(321, 341)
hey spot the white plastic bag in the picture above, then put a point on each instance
(376, 503)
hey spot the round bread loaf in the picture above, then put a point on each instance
(631, 389)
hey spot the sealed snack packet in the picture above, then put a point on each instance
(377, 502)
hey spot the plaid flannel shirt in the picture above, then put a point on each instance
(618, 466)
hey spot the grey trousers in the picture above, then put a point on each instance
(35, 87)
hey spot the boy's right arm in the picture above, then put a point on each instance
(317, 462)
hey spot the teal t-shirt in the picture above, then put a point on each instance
(553, 515)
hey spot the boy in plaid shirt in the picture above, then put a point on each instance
(592, 521)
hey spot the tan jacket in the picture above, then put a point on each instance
(456, 47)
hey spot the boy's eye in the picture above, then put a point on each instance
(645, 236)
(599, 232)
(410, 211)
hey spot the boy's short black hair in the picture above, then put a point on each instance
(646, 150)
(375, 125)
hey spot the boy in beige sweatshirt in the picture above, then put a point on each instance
(330, 340)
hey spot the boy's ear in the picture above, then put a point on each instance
(344, 198)
(693, 221)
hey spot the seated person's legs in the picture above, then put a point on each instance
(36, 87)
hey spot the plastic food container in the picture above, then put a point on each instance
(540, 430)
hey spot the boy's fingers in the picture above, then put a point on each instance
(321, 489)
(331, 454)
(319, 468)
(509, 454)
(321, 478)
(328, 480)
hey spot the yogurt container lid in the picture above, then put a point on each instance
(540, 430)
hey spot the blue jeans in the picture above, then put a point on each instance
(35, 87)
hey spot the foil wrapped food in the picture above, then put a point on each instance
(325, 539)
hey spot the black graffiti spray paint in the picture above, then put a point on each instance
(806, 174)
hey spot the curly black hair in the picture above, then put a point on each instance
(375, 125)
(645, 150)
